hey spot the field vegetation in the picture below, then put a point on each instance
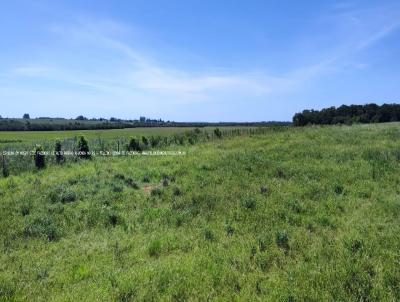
(283, 214)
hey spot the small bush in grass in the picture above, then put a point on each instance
(217, 133)
(282, 240)
(179, 219)
(39, 157)
(229, 230)
(145, 141)
(7, 290)
(355, 245)
(264, 190)
(154, 248)
(250, 204)
(264, 241)
(83, 148)
(5, 170)
(146, 178)
(131, 183)
(113, 219)
(338, 189)
(42, 227)
(209, 235)
(25, 209)
(116, 188)
(58, 152)
(119, 176)
(156, 192)
(68, 196)
(134, 145)
(165, 182)
(177, 191)
(126, 292)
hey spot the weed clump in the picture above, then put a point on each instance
(116, 188)
(154, 248)
(5, 170)
(165, 182)
(229, 230)
(119, 176)
(39, 157)
(264, 190)
(355, 246)
(156, 192)
(209, 235)
(131, 183)
(58, 152)
(338, 189)
(263, 242)
(146, 178)
(113, 219)
(62, 194)
(250, 204)
(134, 145)
(282, 240)
(177, 191)
(7, 291)
(25, 210)
(68, 196)
(42, 227)
(217, 133)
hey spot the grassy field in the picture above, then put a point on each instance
(34, 136)
(297, 214)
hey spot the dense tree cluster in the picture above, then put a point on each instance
(369, 113)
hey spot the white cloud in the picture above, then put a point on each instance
(136, 73)
(31, 71)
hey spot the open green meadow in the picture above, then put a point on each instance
(286, 214)
(35, 136)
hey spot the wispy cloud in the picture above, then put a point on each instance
(137, 73)
(31, 71)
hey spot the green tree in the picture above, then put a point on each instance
(83, 148)
(26, 116)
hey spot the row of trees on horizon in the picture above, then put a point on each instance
(369, 113)
(82, 123)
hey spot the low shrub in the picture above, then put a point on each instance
(116, 188)
(177, 191)
(250, 204)
(156, 192)
(134, 145)
(154, 249)
(5, 170)
(58, 152)
(209, 235)
(42, 227)
(282, 240)
(39, 157)
(131, 183)
(68, 196)
(217, 133)
(113, 219)
(83, 148)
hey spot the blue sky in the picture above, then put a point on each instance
(196, 60)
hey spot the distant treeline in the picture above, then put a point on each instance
(369, 113)
(58, 124)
